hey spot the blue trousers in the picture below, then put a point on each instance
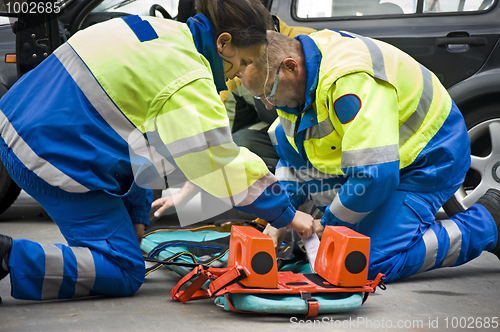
(102, 256)
(406, 239)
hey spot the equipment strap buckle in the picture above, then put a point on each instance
(194, 290)
(233, 275)
(312, 304)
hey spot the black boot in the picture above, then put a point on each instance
(5, 246)
(491, 201)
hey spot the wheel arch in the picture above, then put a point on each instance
(476, 91)
(478, 99)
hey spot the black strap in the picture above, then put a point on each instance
(222, 225)
(171, 261)
(198, 248)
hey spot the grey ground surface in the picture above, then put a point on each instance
(450, 299)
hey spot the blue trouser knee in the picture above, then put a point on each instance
(406, 239)
(102, 257)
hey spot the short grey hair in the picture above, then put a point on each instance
(279, 47)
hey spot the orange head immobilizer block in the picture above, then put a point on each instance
(342, 257)
(252, 249)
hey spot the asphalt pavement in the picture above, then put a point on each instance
(450, 299)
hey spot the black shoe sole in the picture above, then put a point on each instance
(5, 246)
(491, 201)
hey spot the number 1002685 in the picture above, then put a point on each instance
(27, 7)
(471, 322)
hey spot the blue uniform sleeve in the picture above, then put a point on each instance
(365, 189)
(295, 190)
(273, 205)
(138, 204)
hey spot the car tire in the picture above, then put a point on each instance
(483, 126)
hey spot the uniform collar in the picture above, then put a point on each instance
(312, 56)
(204, 40)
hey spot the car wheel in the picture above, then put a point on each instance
(483, 126)
(9, 190)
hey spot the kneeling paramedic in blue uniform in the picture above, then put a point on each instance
(121, 105)
(374, 139)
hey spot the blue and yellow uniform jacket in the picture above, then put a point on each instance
(369, 127)
(130, 100)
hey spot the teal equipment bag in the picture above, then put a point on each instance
(183, 248)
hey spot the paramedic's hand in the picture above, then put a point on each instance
(277, 234)
(139, 231)
(303, 224)
(179, 199)
(318, 228)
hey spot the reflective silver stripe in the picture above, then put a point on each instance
(200, 142)
(32, 161)
(308, 174)
(455, 236)
(140, 146)
(320, 130)
(93, 91)
(288, 126)
(286, 174)
(345, 214)
(86, 271)
(323, 198)
(301, 175)
(258, 126)
(107, 108)
(431, 248)
(54, 271)
(255, 190)
(272, 136)
(370, 156)
(377, 58)
(413, 123)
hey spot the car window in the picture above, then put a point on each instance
(338, 8)
(137, 7)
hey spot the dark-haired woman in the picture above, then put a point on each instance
(104, 119)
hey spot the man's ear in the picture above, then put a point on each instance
(291, 65)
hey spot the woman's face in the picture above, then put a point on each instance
(236, 59)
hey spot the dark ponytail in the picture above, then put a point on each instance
(245, 20)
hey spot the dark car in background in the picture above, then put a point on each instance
(457, 39)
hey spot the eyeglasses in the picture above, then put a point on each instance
(275, 85)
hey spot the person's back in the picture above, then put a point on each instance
(90, 86)
(412, 111)
(377, 143)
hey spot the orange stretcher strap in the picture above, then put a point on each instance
(220, 278)
(312, 305)
(177, 294)
(233, 275)
(313, 309)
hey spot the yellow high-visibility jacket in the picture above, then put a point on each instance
(370, 114)
(130, 100)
